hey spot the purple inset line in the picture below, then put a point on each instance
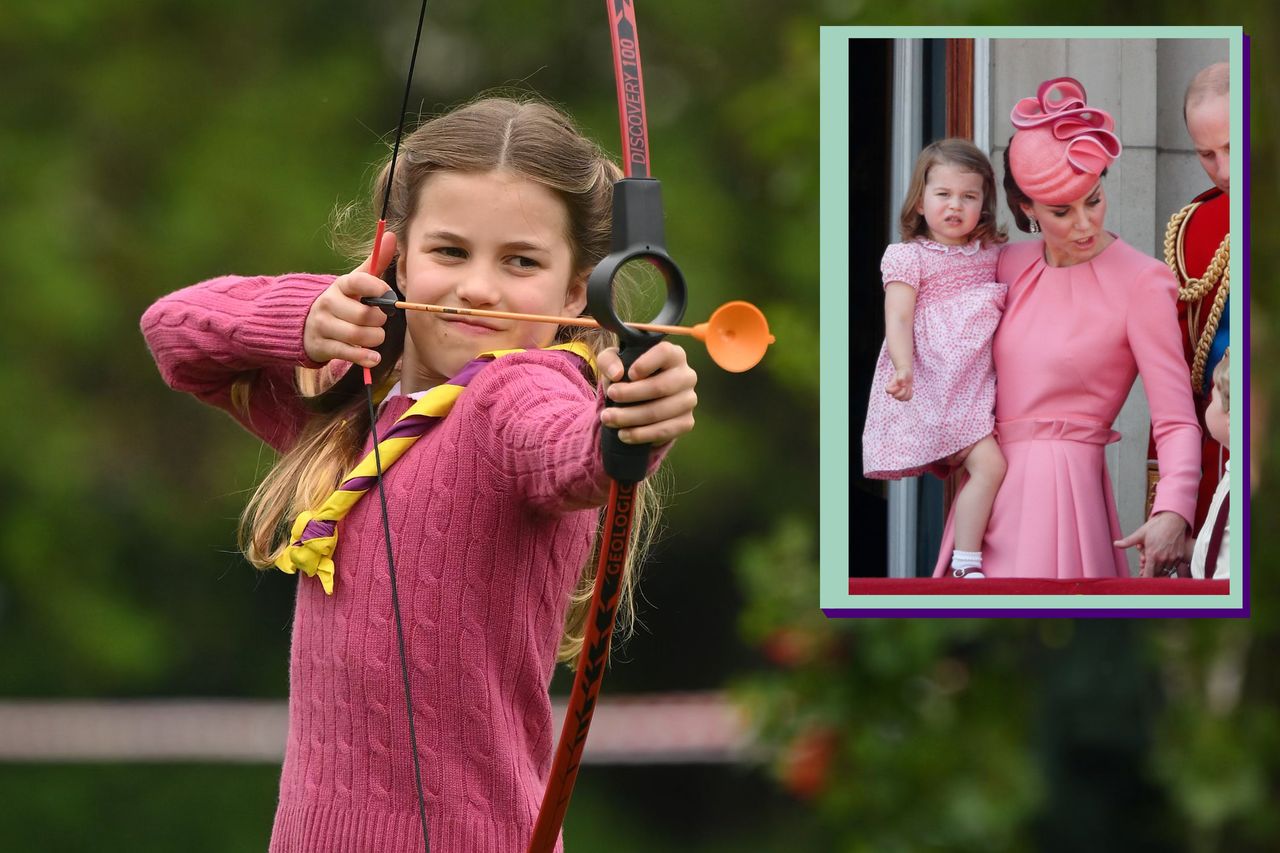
(1246, 469)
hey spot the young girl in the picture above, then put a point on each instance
(933, 396)
(493, 510)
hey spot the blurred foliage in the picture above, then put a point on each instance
(149, 144)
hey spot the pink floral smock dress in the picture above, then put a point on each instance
(958, 306)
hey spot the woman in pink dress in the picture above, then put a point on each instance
(1085, 314)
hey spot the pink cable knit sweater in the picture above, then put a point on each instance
(492, 516)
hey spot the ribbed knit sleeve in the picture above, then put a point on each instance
(206, 337)
(540, 423)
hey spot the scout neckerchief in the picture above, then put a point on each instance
(315, 533)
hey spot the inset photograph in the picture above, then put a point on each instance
(1034, 234)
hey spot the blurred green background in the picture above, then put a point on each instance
(149, 144)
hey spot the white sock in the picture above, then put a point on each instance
(969, 563)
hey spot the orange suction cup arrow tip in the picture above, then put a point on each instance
(736, 336)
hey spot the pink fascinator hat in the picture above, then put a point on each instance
(1061, 144)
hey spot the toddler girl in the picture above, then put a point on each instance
(933, 396)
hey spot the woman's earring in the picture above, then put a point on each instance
(1035, 225)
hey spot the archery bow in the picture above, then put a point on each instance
(637, 235)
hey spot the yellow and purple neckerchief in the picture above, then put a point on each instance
(314, 537)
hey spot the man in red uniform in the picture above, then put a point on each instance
(1197, 248)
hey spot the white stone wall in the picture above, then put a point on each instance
(1141, 83)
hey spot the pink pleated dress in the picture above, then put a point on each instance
(958, 306)
(1067, 351)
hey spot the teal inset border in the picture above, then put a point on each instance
(836, 430)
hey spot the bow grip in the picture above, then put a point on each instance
(637, 236)
(626, 463)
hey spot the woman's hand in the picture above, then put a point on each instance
(339, 325)
(1161, 544)
(660, 385)
(900, 386)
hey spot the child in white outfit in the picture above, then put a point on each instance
(1205, 564)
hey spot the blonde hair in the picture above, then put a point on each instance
(529, 139)
(1222, 380)
(967, 157)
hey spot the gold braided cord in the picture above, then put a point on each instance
(1196, 289)
(1206, 337)
(1173, 244)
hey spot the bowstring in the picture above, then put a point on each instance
(377, 456)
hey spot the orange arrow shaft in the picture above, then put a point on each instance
(541, 318)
